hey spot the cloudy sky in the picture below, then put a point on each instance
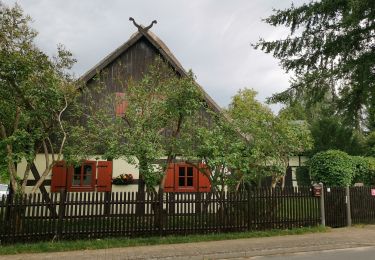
(211, 37)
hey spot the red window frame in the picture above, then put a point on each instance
(179, 178)
(82, 186)
(201, 178)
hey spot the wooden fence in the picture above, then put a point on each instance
(96, 215)
(362, 206)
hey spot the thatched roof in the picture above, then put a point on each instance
(164, 52)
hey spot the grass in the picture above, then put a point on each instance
(58, 246)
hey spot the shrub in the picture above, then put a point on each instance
(332, 167)
(368, 177)
(360, 168)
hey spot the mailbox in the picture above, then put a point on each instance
(317, 190)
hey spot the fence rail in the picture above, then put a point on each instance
(95, 215)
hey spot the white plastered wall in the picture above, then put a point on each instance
(120, 166)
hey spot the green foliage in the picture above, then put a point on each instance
(34, 92)
(364, 170)
(332, 167)
(370, 144)
(224, 151)
(274, 138)
(369, 178)
(361, 168)
(303, 176)
(329, 49)
(330, 134)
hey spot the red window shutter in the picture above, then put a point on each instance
(204, 184)
(58, 178)
(121, 104)
(104, 176)
(169, 180)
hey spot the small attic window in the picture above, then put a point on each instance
(120, 104)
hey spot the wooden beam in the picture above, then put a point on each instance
(43, 190)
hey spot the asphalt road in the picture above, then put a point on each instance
(359, 253)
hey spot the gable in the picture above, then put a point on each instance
(132, 63)
(138, 52)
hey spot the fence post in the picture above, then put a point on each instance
(322, 207)
(160, 212)
(61, 213)
(248, 210)
(348, 211)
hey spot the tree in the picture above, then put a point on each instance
(275, 138)
(328, 129)
(160, 108)
(224, 150)
(330, 48)
(330, 134)
(35, 91)
(370, 144)
(4, 176)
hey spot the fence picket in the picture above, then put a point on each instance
(95, 215)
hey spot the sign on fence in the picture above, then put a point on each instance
(372, 192)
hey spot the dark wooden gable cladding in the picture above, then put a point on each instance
(133, 58)
(132, 63)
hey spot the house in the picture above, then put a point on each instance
(130, 60)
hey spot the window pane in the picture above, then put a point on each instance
(189, 181)
(87, 174)
(190, 171)
(181, 171)
(181, 181)
(77, 176)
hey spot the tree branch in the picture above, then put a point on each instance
(50, 165)
(26, 176)
(11, 167)
(51, 147)
(17, 119)
(62, 129)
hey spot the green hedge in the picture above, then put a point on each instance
(332, 167)
(337, 168)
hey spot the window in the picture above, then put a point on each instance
(88, 176)
(185, 177)
(120, 104)
(82, 177)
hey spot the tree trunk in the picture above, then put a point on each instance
(140, 208)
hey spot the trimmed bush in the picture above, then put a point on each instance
(332, 167)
